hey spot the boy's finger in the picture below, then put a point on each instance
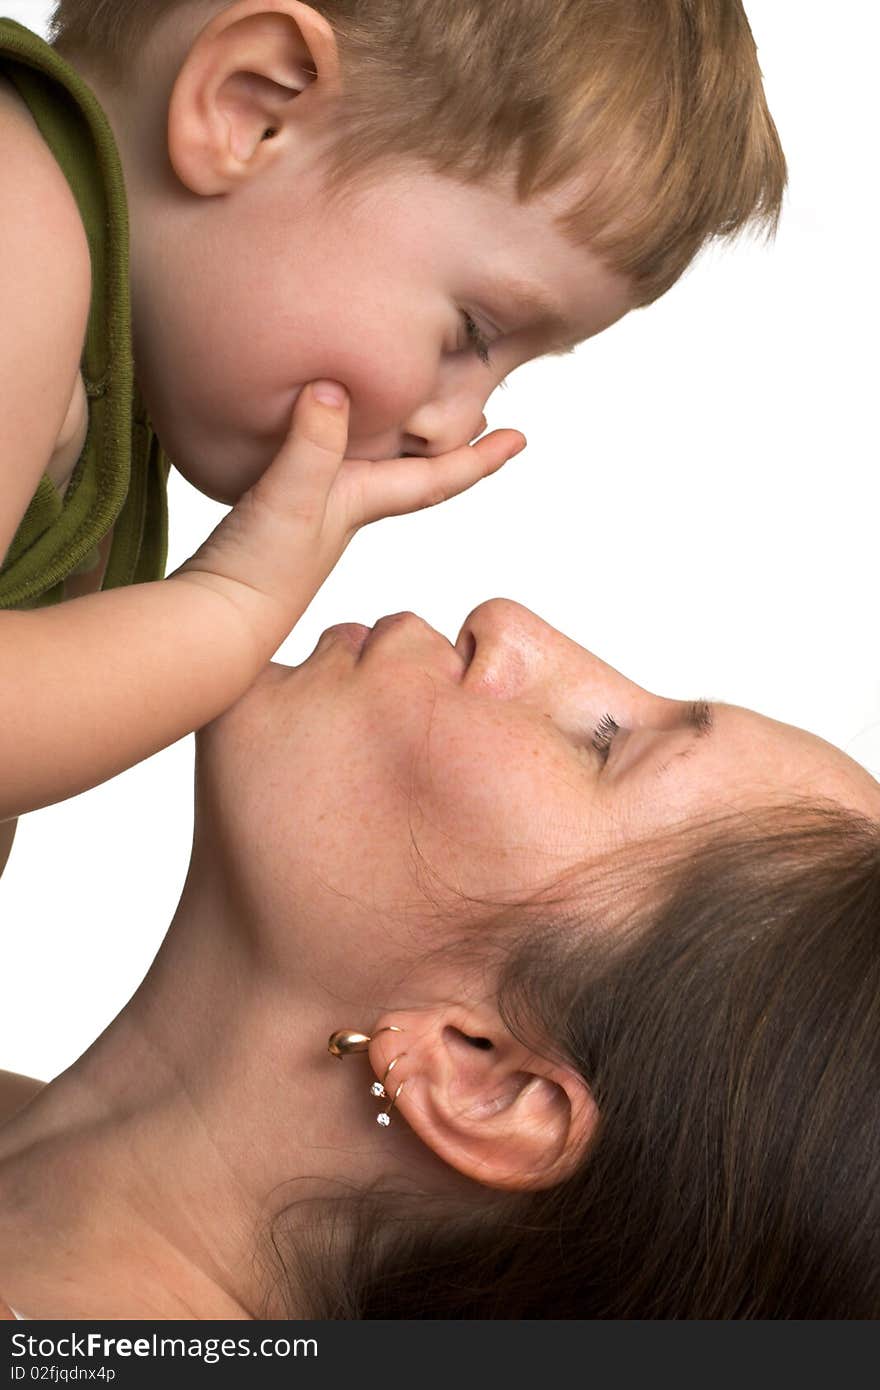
(306, 465)
(405, 485)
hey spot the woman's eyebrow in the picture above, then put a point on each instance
(701, 716)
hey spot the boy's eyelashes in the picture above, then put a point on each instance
(476, 338)
(477, 342)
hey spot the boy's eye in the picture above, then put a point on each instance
(475, 338)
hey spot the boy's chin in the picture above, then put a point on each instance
(218, 488)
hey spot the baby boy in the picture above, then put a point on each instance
(294, 248)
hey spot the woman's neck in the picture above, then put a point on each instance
(99, 1212)
(83, 1233)
(141, 1183)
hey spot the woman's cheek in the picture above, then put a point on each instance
(507, 792)
(496, 839)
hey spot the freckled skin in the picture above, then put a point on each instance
(403, 779)
(355, 815)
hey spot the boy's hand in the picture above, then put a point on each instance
(176, 653)
(276, 547)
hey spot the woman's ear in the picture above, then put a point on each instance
(488, 1106)
(243, 82)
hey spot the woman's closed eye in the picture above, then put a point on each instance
(604, 735)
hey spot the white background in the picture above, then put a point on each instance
(698, 504)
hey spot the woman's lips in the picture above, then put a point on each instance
(353, 634)
(360, 639)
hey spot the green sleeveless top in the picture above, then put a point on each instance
(121, 477)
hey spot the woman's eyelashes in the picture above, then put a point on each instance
(603, 736)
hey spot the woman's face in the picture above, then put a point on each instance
(391, 773)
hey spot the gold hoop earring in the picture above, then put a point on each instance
(378, 1087)
(344, 1041)
(384, 1116)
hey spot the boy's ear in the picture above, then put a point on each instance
(260, 67)
(498, 1113)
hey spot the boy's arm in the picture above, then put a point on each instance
(95, 684)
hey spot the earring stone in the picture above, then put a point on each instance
(384, 1116)
(378, 1087)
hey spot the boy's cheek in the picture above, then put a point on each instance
(386, 388)
(387, 382)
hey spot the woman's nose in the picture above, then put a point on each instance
(511, 653)
(509, 650)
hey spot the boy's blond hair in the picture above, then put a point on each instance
(659, 102)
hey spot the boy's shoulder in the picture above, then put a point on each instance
(9, 99)
(37, 175)
(30, 167)
(16, 121)
(47, 240)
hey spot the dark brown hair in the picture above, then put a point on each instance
(731, 1038)
(654, 108)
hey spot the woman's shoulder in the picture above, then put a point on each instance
(15, 1092)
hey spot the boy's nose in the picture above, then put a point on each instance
(480, 429)
(420, 448)
(443, 425)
